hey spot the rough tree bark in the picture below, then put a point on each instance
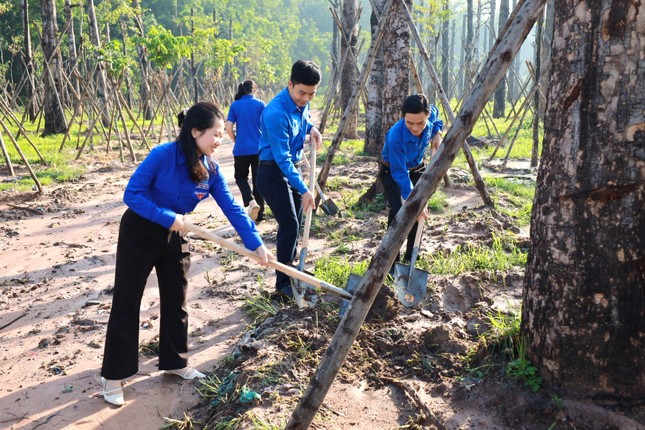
(499, 103)
(584, 300)
(53, 110)
(396, 54)
(536, 96)
(374, 135)
(349, 74)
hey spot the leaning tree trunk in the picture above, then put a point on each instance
(101, 82)
(374, 112)
(396, 54)
(349, 75)
(584, 303)
(499, 104)
(54, 114)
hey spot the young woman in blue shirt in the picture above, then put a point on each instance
(244, 114)
(285, 125)
(169, 183)
(405, 145)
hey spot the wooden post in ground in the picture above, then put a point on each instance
(497, 64)
(479, 182)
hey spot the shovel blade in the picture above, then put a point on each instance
(329, 207)
(352, 285)
(410, 288)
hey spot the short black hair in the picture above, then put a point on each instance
(415, 103)
(305, 72)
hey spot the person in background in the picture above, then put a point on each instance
(406, 143)
(285, 124)
(169, 183)
(244, 114)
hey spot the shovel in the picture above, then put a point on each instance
(327, 204)
(411, 283)
(297, 287)
(287, 270)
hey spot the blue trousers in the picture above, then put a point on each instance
(286, 204)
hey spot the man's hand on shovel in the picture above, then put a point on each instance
(178, 225)
(308, 201)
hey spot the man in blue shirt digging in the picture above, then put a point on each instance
(284, 125)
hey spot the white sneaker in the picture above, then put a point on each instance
(112, 391)
(252, 210)
(186, 373)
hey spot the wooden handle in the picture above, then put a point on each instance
(287, 270)
(312, 183)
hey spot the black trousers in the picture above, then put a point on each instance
(143, 245)
(393, 196)
(242, 164)
(286, 204)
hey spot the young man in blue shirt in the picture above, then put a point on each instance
(405, 145)
(285, 124)
(245, 113)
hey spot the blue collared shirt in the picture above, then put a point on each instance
(161, 188)
(245, 114)
(403, 150)
(284, 127)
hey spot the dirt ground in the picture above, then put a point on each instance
(57, 254)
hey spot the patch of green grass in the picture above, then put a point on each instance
(517, 193)
(520, 368)
(438, 202)
(335, 270)
(259, 308)
(503, 255)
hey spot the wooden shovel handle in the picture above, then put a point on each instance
(312, 183)
(288, 270)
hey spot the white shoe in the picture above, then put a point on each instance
(188, 373)
(112, 391)
(253, 210)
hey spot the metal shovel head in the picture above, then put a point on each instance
(352, 285)
(410, 288)
(329, 207)
(303, 293)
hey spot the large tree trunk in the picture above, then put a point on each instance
(584, 298)
(396, 54)
(374, 134)
(101, 83)
(54, 114)
(29, 65)
(349, 75)
(499, 104)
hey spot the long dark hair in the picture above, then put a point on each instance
(201, 116)
(246, 87)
